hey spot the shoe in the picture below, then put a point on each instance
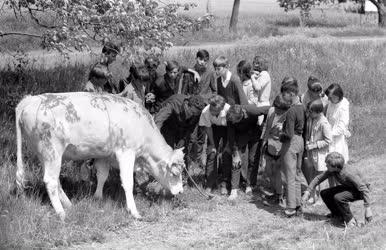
(352, 223)
(311, 200)
(208, 190)
(266, 192)
(233, 195)
(223, 191)
(282, 202)
(248, 190)
(289, 212)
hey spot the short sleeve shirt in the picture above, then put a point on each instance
(207, 119)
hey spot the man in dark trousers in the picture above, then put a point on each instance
(177, 118)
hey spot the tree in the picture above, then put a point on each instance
(139, 26)
(306, 5)
(235, 16)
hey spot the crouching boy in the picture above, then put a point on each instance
(352, 187)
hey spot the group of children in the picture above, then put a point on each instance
(296, 137)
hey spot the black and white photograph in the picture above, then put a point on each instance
(192, 124)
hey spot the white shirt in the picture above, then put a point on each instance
(262, 87)
(249, 92)
(227, 79)
(207, 119)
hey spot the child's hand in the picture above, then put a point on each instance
(311, 146)
(368, 215)
(305, 197)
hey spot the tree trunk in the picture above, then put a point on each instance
(210, 7)
(382, 15)
(235, 16)
(381, 6)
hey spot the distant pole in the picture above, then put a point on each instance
(235, 16)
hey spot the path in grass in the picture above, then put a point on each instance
(49, 59)
(247, 223)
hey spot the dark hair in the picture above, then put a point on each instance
(217, 101)
(335, 160)
(98, 72)
(170, 65)
(280, 103)
(203, 54)
(314, 84)
(139, 71)
(289, 84)
(315, 106)
(152, 62)
(244, 68)
(220, 61)
(197, 101)
(109, 48)
(336, 90)
(234, 114)
(263, 63)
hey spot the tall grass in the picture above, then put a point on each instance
(29, 221)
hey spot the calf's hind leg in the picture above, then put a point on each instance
(126, 161)
(51, 179)
(103, 169)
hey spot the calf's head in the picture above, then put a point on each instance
(171, 172)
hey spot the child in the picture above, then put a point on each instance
(228, 85)
(213, 121)
(293, 145)
(135, 84)
(273, 127)
(243, 143)
(317, 142)
(261, 82)
(206, 87)
(97, 78)
(352, 187)
(109, 52)
(172, 82)
(338, 115)
(314, 91)
(244, 72)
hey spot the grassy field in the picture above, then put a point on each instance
(257, 19)
(189, 221)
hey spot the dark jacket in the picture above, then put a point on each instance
(247, 129)
(172, 116)
(165, 87)
(348, 177)
(233, 92)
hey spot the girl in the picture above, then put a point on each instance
(338, 117)
(318, 140)
(244, 71)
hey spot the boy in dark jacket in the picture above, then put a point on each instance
(352, 187)
(243, 139)
(293, 145)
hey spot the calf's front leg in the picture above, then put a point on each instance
(126, 159)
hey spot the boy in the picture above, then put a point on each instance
(243, 142)
(273, 127)
(314, 91)
(109, 52)
(213, 121)
(228, 85)
(293, 145)
(352, 187)
(96, 79)
(206, 87)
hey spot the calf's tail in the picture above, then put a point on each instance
(20, 183)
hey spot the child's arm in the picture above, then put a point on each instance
(289, 129)
(260, 81)
(327, 138)
(340, 127)
(361, 186)
(240, 92)
(316, 181)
